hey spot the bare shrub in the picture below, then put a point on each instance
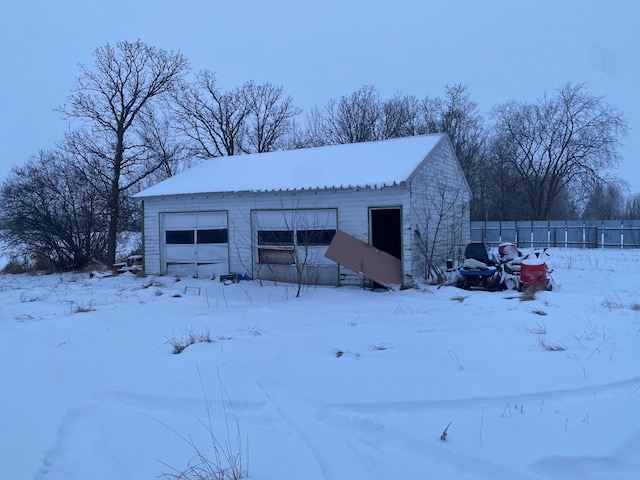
(224, 459)
(616, 304)
(15, 267)
(84, 309)
(189, 337)
(529, 293)
(537, 330)
(338, 352)
(550, 346)
(454, 358)
(382, 346)
(540, 331)
(95, 265)
(612, 304)
(28, 299)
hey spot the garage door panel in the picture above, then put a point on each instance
(180, 253)
(217, 252)
(295, 219)
(181, 269)
(179, 221)
(211, 220)
(211, 270)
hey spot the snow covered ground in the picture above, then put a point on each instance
(337, 384)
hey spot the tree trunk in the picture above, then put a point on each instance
(114, 208)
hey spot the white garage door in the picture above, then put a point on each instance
(195, 244)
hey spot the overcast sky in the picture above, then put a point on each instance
(503, 50)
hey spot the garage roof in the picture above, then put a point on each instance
(369, 164)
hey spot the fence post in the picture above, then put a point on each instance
(531, 235)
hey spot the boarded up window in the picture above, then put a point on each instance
(277, 257)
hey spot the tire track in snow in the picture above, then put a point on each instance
(186, 405)
(334, 451)
(609, 390)
(349, 447)
(622, 464)
(79, 443)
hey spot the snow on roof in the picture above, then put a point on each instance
(368, 164)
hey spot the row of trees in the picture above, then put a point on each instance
(136, 119)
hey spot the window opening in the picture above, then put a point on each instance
(179, 237)
(314, 237)
(213, 236)
(275, 237)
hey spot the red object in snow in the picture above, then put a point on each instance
(533, 271)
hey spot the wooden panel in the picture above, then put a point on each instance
(363, 258)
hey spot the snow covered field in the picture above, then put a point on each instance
(337, 384)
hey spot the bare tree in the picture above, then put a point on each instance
(269, 118)
(564, 142)
(632, 207)
(314, 123)
(442, 230)
(288, 246)
(312, 238)
(166, 151)
(606, 202)
(353, 118)
(109, 100)
(214, 120)
(399, 117)
(457, 115)
(247, 119)
(295, 138)
(498, 194)
(51, 212)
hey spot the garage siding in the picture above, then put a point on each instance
(351, 207)
(440, 199)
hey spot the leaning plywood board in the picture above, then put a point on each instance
(365, 259)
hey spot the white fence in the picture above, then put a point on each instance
(560, 233)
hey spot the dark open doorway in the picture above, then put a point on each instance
(386, 230)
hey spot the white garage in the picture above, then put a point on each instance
(195, 244)
(272, 216)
